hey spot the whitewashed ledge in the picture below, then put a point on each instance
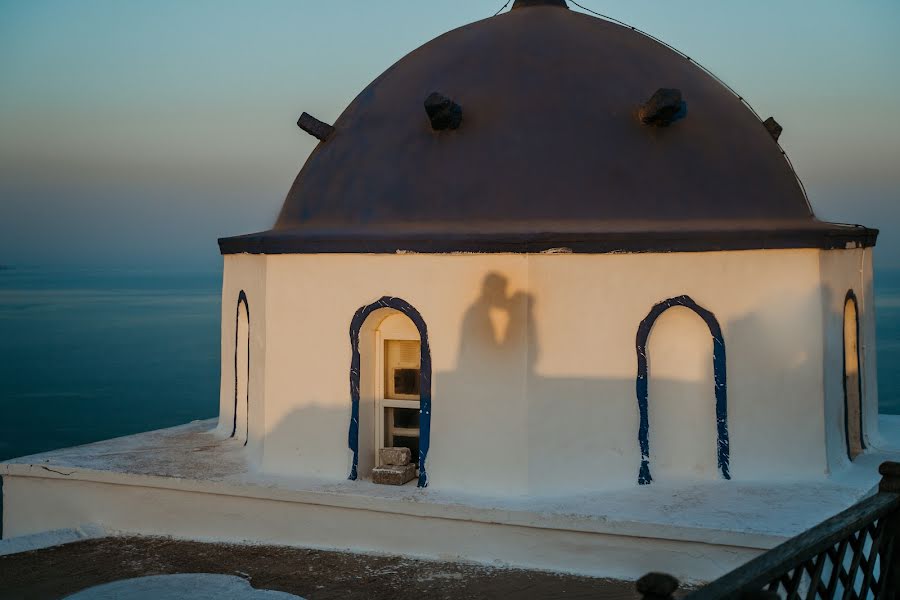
(185, 586)
(187, 483)
(48, 539)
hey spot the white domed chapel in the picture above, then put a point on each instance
(546, 294)
(558, 290)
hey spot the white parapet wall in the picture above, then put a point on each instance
(210, 515)
(190, 482)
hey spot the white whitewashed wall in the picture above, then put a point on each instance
(534, 384)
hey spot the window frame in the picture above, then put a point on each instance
(382, 402)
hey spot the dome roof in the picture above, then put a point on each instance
(550, 153)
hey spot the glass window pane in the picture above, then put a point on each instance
(408, 418)
(406, 381)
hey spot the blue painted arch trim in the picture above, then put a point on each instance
(719, 376)
(242, 299)
(356, 324)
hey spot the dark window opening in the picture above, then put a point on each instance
(406, 381)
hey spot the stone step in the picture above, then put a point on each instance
(394, 474)
(395, 456)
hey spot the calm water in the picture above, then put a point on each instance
(89, 354)
(887, 325)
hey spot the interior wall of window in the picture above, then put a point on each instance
(852, 387)
(242, 372)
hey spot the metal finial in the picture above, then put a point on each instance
(530, 3)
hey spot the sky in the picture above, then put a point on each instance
(136, 133)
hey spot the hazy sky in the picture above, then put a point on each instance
(137, 132)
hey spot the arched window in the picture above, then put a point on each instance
(390, 370)
(241, 427)
(853, 414)
(719, 385)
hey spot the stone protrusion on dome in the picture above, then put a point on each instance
(773, 128)
(663, 108)
(314, 127)
(443, 112)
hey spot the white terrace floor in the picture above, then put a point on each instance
(187, 482)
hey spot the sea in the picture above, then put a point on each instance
(89, 354)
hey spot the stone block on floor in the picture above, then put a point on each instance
(394, 474)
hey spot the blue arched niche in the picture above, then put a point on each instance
(719, 375)
(242, 299)
(359, 319)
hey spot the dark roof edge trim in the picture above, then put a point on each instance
(271, 242)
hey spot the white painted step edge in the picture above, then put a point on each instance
(47, 539)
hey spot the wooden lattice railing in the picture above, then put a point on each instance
(854, 555)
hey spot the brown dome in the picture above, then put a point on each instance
(550, 153)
